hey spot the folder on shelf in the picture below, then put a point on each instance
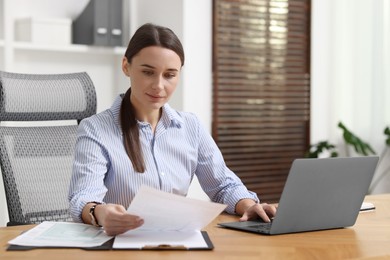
(100, 23)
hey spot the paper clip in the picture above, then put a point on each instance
(164, 247)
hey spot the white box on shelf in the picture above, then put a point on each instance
(44, 30)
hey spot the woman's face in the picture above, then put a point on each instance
(154, 74)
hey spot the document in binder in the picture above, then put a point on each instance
(166, 240)
(171, 222)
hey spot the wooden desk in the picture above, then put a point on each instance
(369, 238)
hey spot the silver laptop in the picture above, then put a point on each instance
(319, 194)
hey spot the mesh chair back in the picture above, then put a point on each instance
(36, 161)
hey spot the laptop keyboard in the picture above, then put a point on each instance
(263, 227)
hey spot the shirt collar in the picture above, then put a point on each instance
(169, 117)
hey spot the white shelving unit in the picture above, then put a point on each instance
(74, 48)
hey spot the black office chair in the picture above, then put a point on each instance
(36, 157)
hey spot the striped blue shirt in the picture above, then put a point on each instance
(179, 149)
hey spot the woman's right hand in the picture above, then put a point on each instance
(115, 219)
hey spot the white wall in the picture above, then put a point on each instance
(197, 85)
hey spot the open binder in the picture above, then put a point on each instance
(163, 240)
(109, 245)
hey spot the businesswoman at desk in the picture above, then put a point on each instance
(141, 140)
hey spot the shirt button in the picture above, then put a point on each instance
(162, 174)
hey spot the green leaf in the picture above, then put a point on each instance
(387, 132)
(360, 146)
(316, 149)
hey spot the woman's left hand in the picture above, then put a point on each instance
(264, 211)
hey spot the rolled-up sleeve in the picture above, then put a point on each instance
(220, 183)
(89, 169)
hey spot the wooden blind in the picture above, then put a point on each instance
(261, 93)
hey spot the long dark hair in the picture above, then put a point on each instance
(147, 35)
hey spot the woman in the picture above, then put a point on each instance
(141, 140)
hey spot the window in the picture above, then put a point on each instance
(261, 92)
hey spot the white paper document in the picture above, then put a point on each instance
(166, 211)
(146, 239)
(62, 234)
(367, 206)
(170, 221)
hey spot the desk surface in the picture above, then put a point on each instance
(369, 238)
